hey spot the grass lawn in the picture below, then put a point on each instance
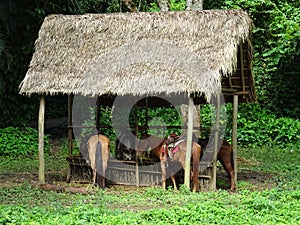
(268, 193)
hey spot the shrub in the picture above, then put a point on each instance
(258, 126)
(16, 141)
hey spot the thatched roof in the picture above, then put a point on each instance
(136, 53)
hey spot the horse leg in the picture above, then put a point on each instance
(94, 176)
(174, 182)
(102, 182)
(229, 170)
(163, 174)
(196, 160)
(103, 178)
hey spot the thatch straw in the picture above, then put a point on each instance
(136, 53)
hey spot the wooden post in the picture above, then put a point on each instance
(216, 144)
(147, 116)
(137, 170)
(98, 108)
(41, 141)
(242, 68)
(234, 135)
(70, 129)
(187, 169)
(200, 122)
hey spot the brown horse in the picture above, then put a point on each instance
(98, 152)
(158, 147)
(225, 156)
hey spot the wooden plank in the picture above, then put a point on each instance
(126, 127)
(237, 93)
(189, 144)
(41, 140)
(234, 135)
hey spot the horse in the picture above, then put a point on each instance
(125, 146)
(98, 153)
(225, 157)
(159, 148)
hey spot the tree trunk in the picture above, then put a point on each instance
(130, 5)
(194, 5)
(196, 119)
(164, 5)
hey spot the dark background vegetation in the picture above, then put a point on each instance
(275, 39)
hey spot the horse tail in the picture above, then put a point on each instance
(98, 157)
(196, 165)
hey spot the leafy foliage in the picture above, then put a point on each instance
(20, 141)
(256, 126)
(276, 38)
(270, 206)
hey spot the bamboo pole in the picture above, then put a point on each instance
(200, 122)
(216, 144)
(137, 169)
(41, 141)
(70, 129)
(242, 67)
(234, 135)
(187, 168)
(98, 115)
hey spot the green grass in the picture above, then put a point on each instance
(149, 206)
(24, 204)
(282, 163)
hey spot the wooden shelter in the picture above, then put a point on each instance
(201, 53)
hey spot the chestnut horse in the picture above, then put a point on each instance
(98, 152)
(158, 147)
(225, 156)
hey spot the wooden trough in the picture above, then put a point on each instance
(119, 172)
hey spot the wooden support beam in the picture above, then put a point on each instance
(187, 171)
(70, 129)
(200, 122)
(98, 110)
(242, 68)
(41, 126)
(234, 135)
(137, 169)
(216, 144)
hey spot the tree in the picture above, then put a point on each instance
(276, 40)
(194, 5)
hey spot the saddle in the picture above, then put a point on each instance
(173, 140)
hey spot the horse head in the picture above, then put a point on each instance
(143, 146)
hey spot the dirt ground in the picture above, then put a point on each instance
(247, 179)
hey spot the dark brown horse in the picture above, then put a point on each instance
(125, 146)
(158, 147)
(225, 156)
(98, 152)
